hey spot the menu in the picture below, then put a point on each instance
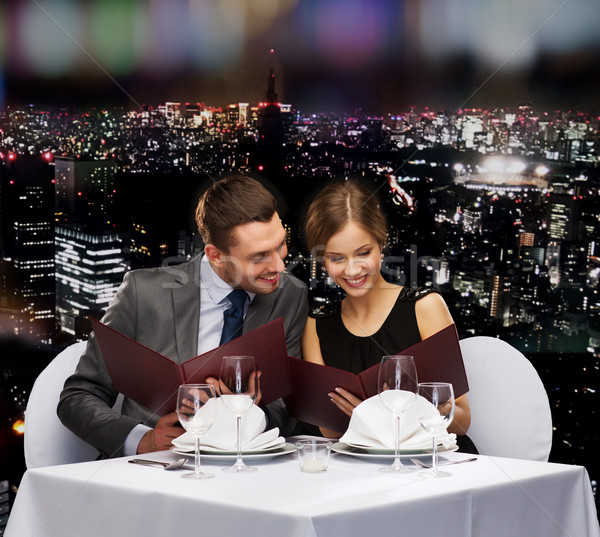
(152, 379)
(437, 359)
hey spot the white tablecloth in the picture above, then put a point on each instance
(487, 498)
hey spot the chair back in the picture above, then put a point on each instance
(47, 441)
(510, 412)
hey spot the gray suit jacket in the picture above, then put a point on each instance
(160, 308)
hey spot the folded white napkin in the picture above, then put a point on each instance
(222, 434)
(373, 426)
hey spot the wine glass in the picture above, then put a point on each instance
(441, 396)
(397, 385)
(238, 382)
(196, 410)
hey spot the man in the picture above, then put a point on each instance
(179, 312)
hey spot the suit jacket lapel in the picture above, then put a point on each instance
(259, 312)
(186, 309)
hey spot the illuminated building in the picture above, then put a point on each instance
(526, 239)
(172, 112)
(89, 269)
(563, 216)
(532, 255)
(500, 298)
(471, 220)
(528, 253)
(552, 261)
(238, 115)
(85, 191)
(27, 211)
(89, 256)
(573, 266)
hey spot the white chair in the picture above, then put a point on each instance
(47, 441)
(510, 412)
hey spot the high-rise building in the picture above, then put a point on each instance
(526, 239)
(573, 266)
(85, 191)
(563, 216)
(89, 269)
(270, 133)
(501, 288)
(27, 245)
(531, 255)
(90, 260)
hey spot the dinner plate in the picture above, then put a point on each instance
(378, 453)
(410, 452)
(211, 449)
(254, 454)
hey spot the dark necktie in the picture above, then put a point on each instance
(234, 316)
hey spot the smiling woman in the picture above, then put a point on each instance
(346, 229)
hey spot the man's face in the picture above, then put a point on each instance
(255, 262)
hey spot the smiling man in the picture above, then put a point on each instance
(182, 312)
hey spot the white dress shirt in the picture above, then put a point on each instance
(213, 303)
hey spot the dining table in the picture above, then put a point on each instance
(487, 497)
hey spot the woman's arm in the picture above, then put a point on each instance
(311, 347)
(433, 316)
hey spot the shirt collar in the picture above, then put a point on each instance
(214, 285)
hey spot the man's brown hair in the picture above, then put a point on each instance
(230, 202)
(335, 206)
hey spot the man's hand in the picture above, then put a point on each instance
(221, 389)
(159, 438)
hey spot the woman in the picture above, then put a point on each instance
(346, 228)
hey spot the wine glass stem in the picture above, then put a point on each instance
(397, 462)
(239, 461)
(434, 456)
(197, 455)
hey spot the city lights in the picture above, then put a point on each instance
(18, 427)
(542, 170)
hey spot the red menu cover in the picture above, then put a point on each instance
(437, 358)
(152, 379)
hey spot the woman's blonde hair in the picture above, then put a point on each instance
(335, 206)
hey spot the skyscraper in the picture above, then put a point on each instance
(85, 191)
(90, 260)
(270, 133)
(27, 211)
(564, 214)
(89, 269)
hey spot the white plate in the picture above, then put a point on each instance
(377, 453)
(212, 450)
(255, 454)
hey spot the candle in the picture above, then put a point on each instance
(313, 455)
(313, 464)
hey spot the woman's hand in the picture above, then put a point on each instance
(344, 400)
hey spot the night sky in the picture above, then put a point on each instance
(379, 55)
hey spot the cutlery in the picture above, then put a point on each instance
(175, 465)
(443, 463)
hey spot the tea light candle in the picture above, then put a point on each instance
(313, 455)
(313, 464)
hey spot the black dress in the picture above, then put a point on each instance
(344, 350)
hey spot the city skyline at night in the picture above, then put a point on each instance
(543, 163)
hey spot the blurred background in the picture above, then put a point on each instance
(381, 55)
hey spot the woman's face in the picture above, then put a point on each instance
(353, 259)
